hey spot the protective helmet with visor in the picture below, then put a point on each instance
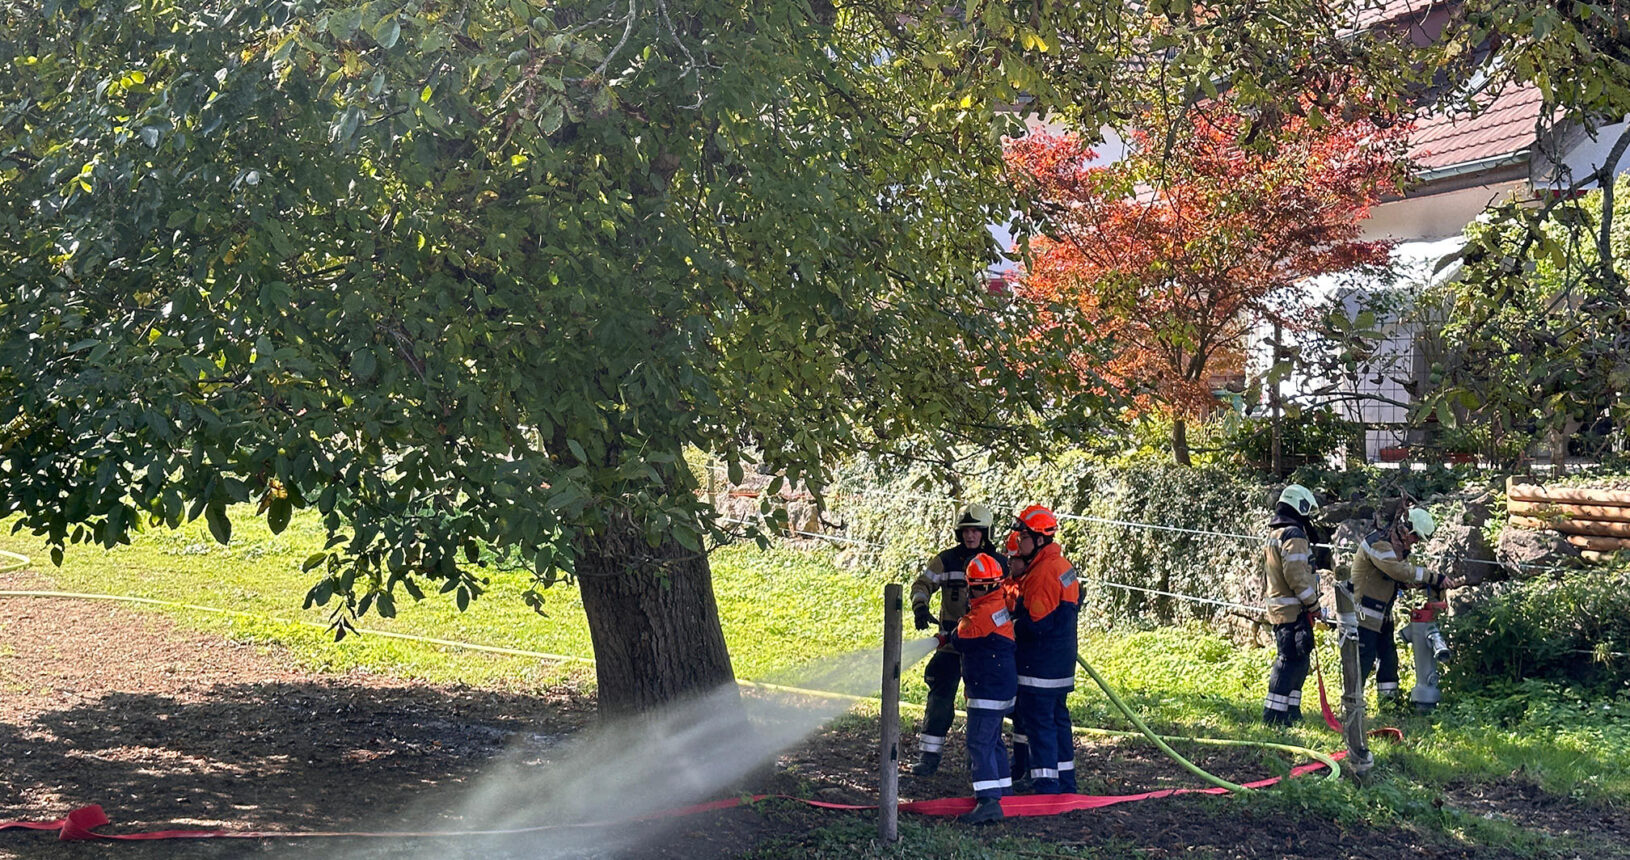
(1299, 498)
(1419, 523)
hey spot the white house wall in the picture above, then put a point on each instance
(1586, 155)
(1436, 216)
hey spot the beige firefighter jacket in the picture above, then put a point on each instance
(946, 574)
(1377, 573)
(1292, 584)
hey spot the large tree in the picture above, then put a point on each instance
(470, 278)
(1172, 254)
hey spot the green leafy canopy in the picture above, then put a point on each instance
(475, 275)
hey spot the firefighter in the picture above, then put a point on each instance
(1379, 568)
(984, 638)
(1386, 664)
(1044, 626)
(944, 573)
(1293, 603)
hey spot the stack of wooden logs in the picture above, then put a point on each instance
(1597, 521)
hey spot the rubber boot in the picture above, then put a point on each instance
(987, 811)
(926, 765)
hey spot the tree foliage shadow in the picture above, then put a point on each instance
(274, 756)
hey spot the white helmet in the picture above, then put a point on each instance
(1419, 523)
(1299, 498)
(975, 516)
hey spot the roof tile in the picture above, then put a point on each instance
(1505, 127)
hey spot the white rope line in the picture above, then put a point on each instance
(1165, 528)
(834, 538)
(1435, 561)
(1245, 606)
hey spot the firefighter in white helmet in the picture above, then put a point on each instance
(945, 573)
(1292, 597)
(1379, 569)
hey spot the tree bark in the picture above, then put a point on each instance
(1276, 454)
(652, 618)
(1180, 442)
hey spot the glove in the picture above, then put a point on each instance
(924, 620)
(942, 638)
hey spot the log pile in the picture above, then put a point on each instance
(1592, 519)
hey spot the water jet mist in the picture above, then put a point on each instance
(602, 793)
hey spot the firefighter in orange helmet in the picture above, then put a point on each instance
(1044, 625)
(984, 638)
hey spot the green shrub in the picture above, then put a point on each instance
(904, 517)
(1210, 516)
(1575, 628)
(1375, 484)
(1312, 438)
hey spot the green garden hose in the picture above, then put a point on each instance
(1160, 740)
(1190, 766)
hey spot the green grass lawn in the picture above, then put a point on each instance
(784, 608)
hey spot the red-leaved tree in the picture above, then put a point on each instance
(1171, 255)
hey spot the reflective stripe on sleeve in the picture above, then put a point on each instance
(1285, 601)
(1307, 595)
(990, 704)
(1296, 556)
(1046, 683)
(931, 575)
(1389, 554)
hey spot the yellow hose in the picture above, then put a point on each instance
(13, 561)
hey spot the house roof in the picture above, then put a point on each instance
(1504, 128)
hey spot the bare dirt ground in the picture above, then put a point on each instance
(168, 729)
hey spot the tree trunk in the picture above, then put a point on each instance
(652, 618)
(1180, 442)
(1276, 455)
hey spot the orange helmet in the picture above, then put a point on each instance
(1039, 520)
(984, 570)
(1013, 542)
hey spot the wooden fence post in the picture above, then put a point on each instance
(888, 803)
